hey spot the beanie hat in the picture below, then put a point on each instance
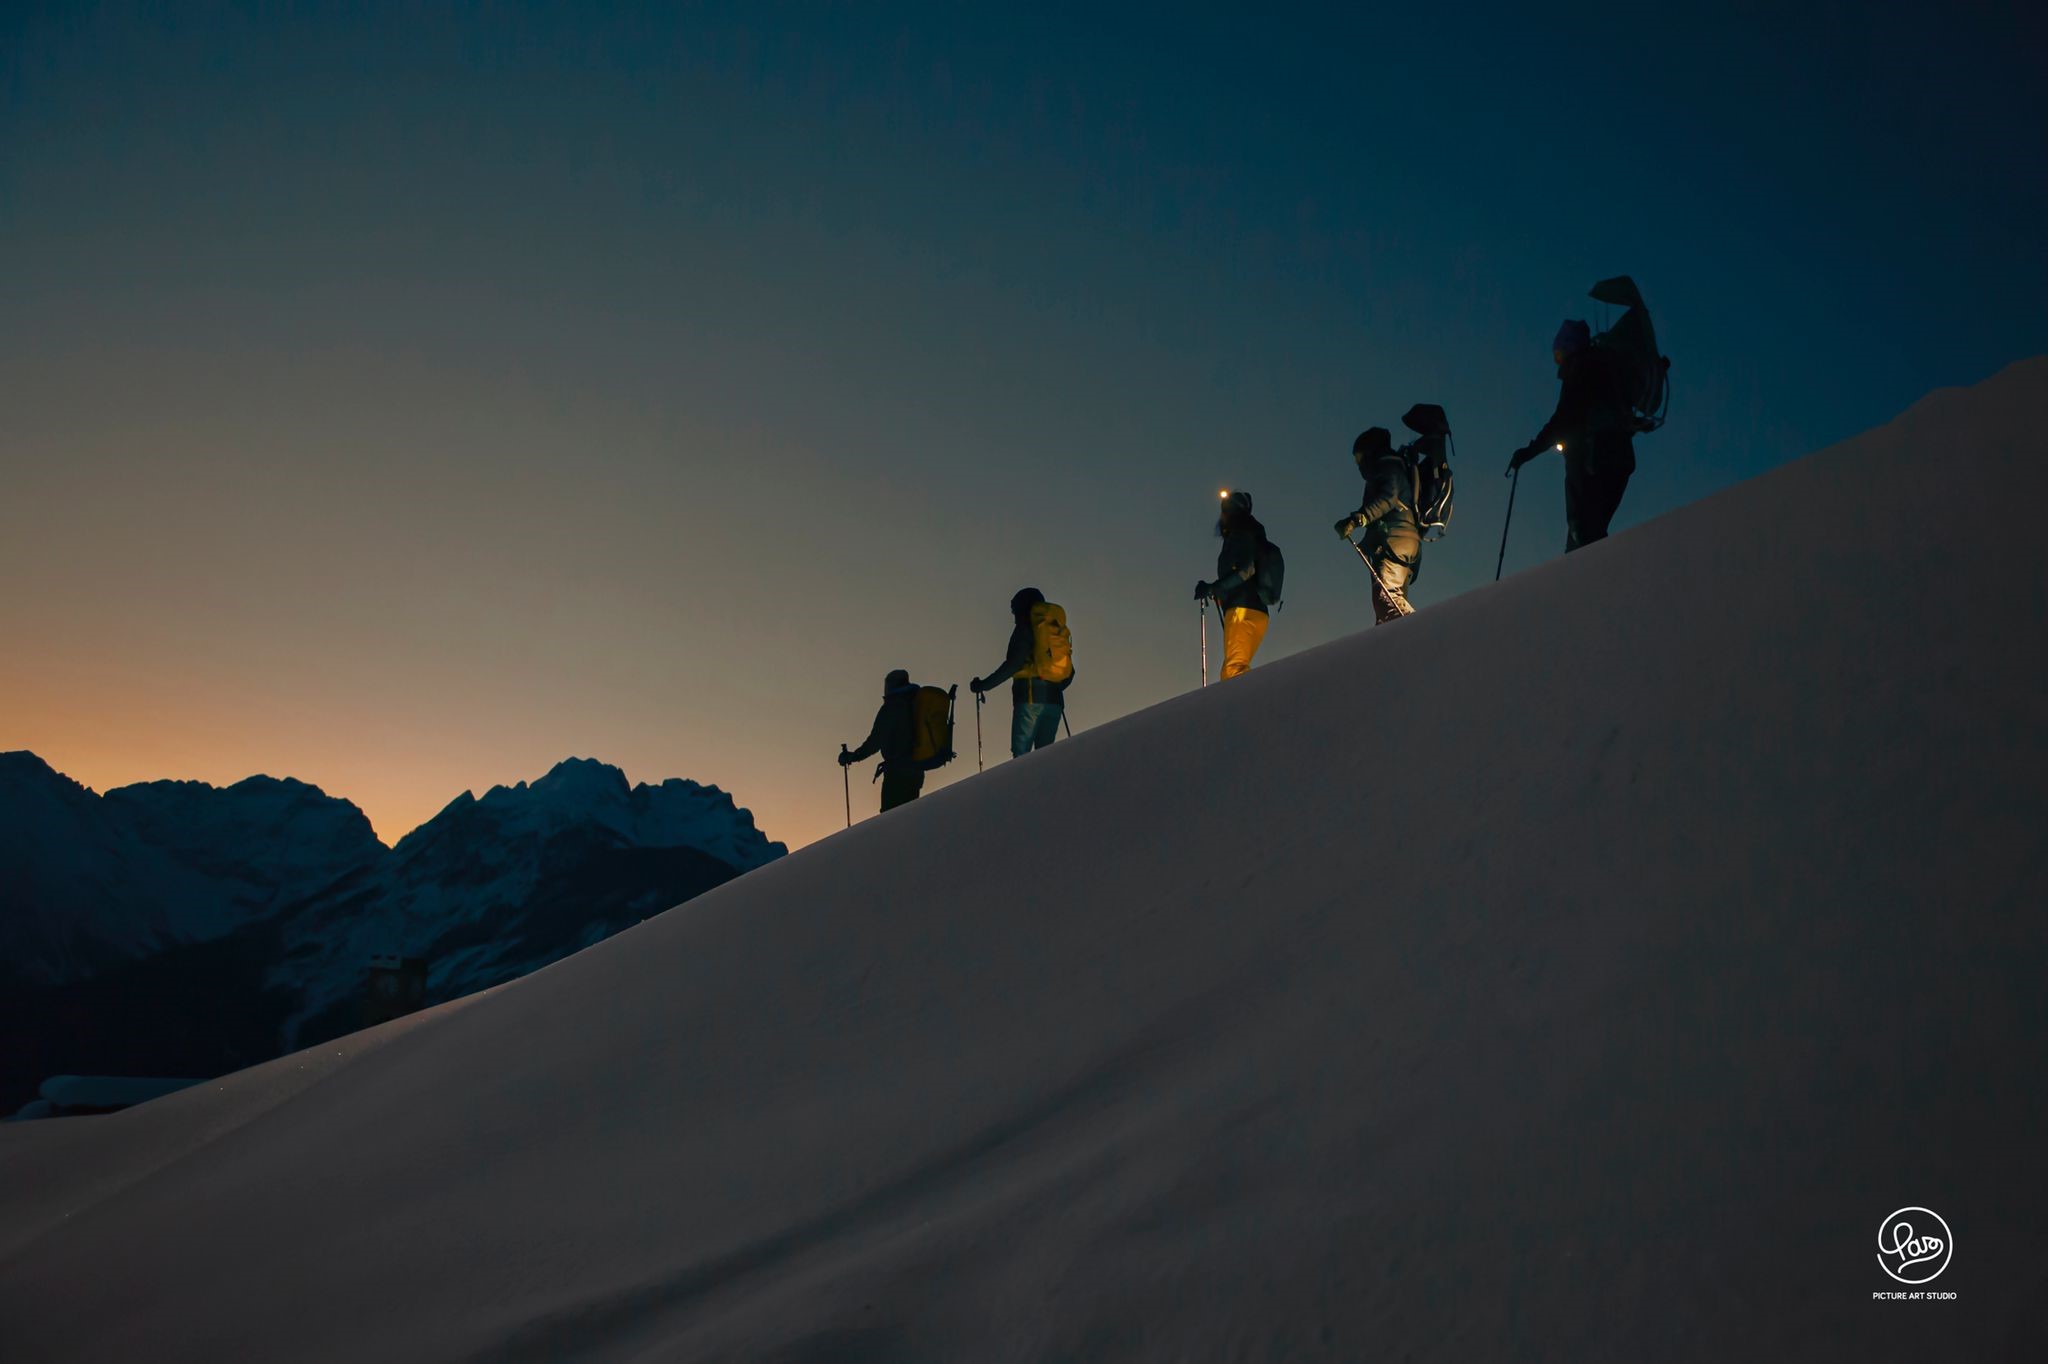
(1026, 598)
(1239, 501)
(1372, 442)
(899, 678)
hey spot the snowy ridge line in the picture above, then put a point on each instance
(1581, 970)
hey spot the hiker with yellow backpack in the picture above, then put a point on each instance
(1040, 666)
(913, 731)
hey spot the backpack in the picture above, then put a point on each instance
(1431, 462)
(931, 728)
(1632, 343)
(1052, 647)
(1271, 574)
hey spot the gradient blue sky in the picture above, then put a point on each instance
(403, 400)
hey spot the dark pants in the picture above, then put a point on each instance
(900, 788)
(1034, 724)
(1394, 547)
(1592, 494)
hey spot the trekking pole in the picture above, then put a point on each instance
(1515, 474)
(846, 785)
(978, 699)
(1065, 721)
(1203, 607)
(1222, 636)
(1398, 605)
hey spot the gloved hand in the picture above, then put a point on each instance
(1523, 456)
(976, 687)
(1345, 527)
(1204, 591)
(845, 758)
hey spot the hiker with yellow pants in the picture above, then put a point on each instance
(1247, 586)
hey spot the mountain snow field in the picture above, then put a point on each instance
(1581, 969)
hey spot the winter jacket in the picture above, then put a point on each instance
(1388, 512)
(1593, 421)
(894, 734)
(1237, 565)
(1018, 659)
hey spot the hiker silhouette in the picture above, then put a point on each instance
(1039, 664)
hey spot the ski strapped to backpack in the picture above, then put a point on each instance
(931, 727)
(1429, 456)
(1052, 645)
(1634, 342)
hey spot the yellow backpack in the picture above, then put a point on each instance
(1052, 647)
(931, 728)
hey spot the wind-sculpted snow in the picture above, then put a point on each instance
(1582, 969)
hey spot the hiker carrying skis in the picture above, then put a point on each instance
(1040, 666)
(1392, 547)
(1594, 427)
(1238, 592)
(893, 736)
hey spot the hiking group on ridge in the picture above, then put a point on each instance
(913, 730)
(1611, 387)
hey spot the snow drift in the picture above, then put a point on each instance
(1582, 969)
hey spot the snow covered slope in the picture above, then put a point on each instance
(1582, 969)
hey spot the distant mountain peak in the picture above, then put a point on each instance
(24, 767)
(88, 878)
(577, 792)
(572, 781)
(571, 767)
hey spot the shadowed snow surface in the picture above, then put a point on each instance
(1581, 969)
